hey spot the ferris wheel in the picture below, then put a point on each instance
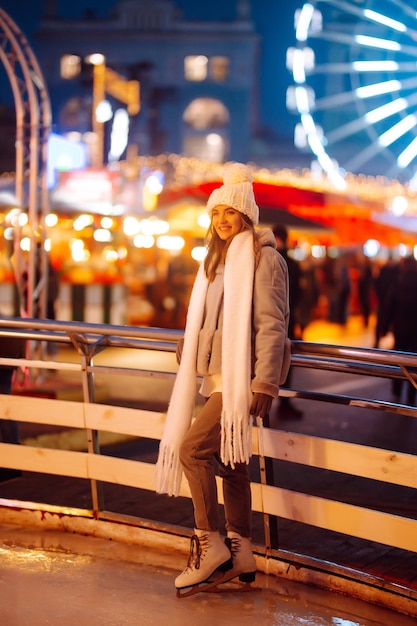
(354, 87)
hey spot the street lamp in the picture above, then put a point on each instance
(99, 91)
(108, 81)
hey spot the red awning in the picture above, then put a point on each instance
(350, 220)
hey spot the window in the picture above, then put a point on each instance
(219, 68)
(195, 68)
(70, 66)
(206, 130)
(199, 68)
(206, 113)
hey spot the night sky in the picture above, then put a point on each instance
(274, 23)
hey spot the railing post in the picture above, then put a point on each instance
(267, 478)
(93, 444)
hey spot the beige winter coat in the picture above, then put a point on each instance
(270, 314)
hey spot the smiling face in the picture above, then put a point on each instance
(227, 222)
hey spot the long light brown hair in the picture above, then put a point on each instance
(217, 248)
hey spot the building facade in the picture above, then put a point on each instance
(198, 80)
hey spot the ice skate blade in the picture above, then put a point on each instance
(231, 586)
(206, 585)
(222, 584)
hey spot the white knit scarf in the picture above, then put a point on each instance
(236, 425)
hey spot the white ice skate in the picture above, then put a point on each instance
(244, 565)
(208, 561)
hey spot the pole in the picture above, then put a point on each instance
(99, 86)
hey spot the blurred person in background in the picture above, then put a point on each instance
(286, 409)
(400, 317)
(365, 288)
(335, 281)
(310, 293)
(384, 282)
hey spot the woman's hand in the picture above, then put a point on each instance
(261, 405)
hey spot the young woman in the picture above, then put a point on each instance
(235, 338)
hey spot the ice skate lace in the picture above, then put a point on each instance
(234, 545)
(198, 548)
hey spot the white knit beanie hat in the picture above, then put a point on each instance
(236, 192)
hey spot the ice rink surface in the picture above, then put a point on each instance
(62, 579)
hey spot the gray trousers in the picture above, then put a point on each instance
(199, 453)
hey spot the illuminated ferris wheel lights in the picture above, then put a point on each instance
(366, 93)
(304, 20)
(408, 154)
(299, 61)
(336, 179)
(378, 89)
(317, 148)
(386, 21)
(413, 185)
(327, 164)
(303, 98)
(397, 131)
(309, 125)
(386, 110)
(375, 66)
(300, 99)
(299, 73)
(314, 139)
(375, 42)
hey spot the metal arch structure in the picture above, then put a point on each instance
(33, 125)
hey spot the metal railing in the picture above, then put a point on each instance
(270, 501)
